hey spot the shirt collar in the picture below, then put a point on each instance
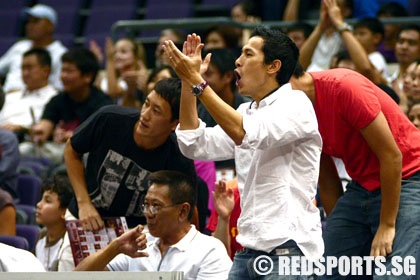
(184, 243)
(270, 97)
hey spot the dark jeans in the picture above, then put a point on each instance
(245, 264)
(355, 219)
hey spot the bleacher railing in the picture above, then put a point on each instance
(196, 24)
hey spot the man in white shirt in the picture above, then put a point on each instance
(13, 259)
(178, 246)
(274, 140)
(39, 32)
(24, 107)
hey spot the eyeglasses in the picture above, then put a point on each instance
(154, 209)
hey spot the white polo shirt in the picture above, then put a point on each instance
(199, 256)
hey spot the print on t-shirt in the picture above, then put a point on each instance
(123, 185)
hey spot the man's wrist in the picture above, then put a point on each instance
(344, 27)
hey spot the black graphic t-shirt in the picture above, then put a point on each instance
(117, 169)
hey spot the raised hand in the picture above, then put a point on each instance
(132, 242)
(188, 63)
(223, 199)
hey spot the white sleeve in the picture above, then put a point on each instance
(119, 263)
(205, 143)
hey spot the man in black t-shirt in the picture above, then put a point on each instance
(69, 108)
(124, 147)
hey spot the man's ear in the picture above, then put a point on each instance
(88, 78)
(274, 67)
(174, 123)
(184, 211)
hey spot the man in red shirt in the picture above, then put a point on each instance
(380, 148)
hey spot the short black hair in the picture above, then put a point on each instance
(158, 69)
(409, 26)
(43, 56)
(59, 184)
(181, 187)
(85, 61)
(228, 34)
(392, 9)
(373, 24)
(306, 28)
(278, 45)
(170, 90)
(224, 60)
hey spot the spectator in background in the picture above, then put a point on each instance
(220, 76)
(414, 114)
(325, 41)
(126, 72)
(370, 33)
(411, 83)
(387, 47)
(39, 32)
(7, 213)
(66, 110)
(221, 36)
(157, 74)
(223, 221)
(407, 50)
(299, 32)
(53, 245)
(166, 34)
(244, 11)
(24, 107)
(9, 157)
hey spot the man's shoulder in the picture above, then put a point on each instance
(118, 111)
(57, 46)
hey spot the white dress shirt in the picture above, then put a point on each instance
(16, 109)
(13, 259)
(199, 256)
(11, 64)
(277, 166)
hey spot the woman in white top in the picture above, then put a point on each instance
(126, 72)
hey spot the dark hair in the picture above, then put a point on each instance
(342, 55)
(42, 55)
(180, 187)
(84, 59)
(224, 61)
(278, 45)
(60, 185)
(170, 90)
(410, 26)
(373, 24)
(228, 33)
(248, 6)
(306, 28)
(158, 69)
(392, 9)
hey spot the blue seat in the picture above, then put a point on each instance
(29, 189)
(15, 241)
(29, 211)
(30, 232)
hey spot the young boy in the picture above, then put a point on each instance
(370, 33)
(53, 245)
